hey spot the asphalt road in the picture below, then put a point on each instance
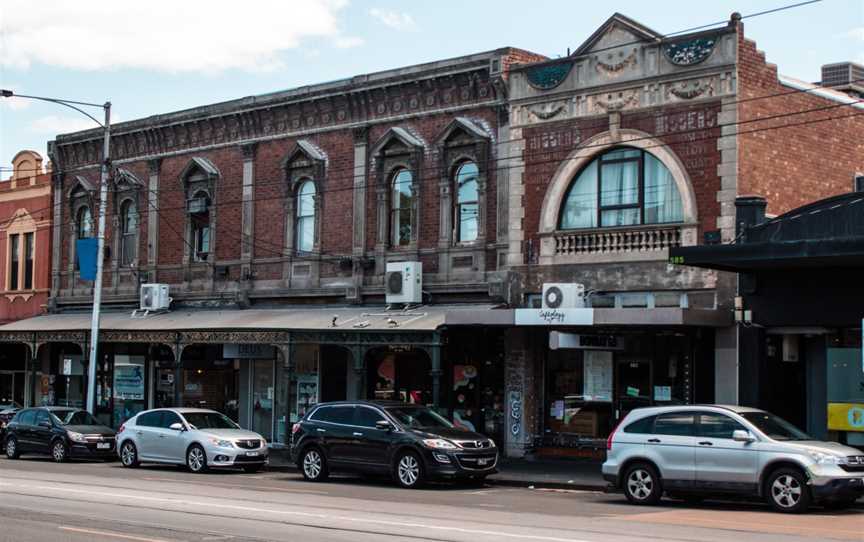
(44, 501)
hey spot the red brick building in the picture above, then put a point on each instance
(25, 256)
(273, 220)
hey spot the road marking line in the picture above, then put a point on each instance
(320, 516)
(237, 486)
(109, 534)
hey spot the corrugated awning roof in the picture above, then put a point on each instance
(336, 319)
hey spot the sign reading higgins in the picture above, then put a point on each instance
(554, 317)
(248, 351)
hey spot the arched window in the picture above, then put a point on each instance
(199, 210)
(128, 232)
(84, 223)
(401, 204)
(623, 187)
(467, 208)
(305, 230)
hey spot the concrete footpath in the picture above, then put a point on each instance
(582, 474)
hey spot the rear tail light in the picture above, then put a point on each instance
(611, 436)
(295, 428)
(122, 427)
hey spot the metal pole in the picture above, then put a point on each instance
(100, 255)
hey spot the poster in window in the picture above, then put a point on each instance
(307, 394)
(597, 373)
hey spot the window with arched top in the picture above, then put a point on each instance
(305, 224)
(401, 207)
(467, 202)
(199, 212)
(128, 232)
(84, 223)
(622, 187)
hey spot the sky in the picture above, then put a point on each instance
(160, 56)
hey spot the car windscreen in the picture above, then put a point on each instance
(417, 417)
(775, 427)
(209, 420)
(73, 417)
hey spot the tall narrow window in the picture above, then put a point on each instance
(467, 210)
(28, 260)
(305, 216)
(200, 211)
(401, 204)
(128, 232)
(14, 261)
(84, 223)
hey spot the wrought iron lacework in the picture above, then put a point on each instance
(687, 53)
(548, 76)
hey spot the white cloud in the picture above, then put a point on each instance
(165, 35)
(54, 124)
(14, 104)
(394, 19)
(856, 33)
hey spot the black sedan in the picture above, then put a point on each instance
(63, 433)
(411, 443)
(7, 412)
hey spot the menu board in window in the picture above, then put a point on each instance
(597, 373)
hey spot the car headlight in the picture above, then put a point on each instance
(76, 437)
(491, 443)
(827, 459)
(221, 443)
(439, 444)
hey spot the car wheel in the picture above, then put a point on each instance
(409, 470)
(786, 490)
(12, 448)
(129, 455)
(59, 451)
(642, 484)
(314, 465)
(196, 459)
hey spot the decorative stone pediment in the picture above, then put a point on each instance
(81, 186)
(398, 140)
(201, 166)
(619, 30)
(304, 154)
(126, 180)
(463, 131)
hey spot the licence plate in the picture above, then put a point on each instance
(482, 462)
(251, 454)
(103, 445)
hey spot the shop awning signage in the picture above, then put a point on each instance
(248, 351)
(582, 341)
(554, 317)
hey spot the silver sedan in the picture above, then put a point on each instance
(199, 439)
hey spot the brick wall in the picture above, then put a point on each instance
(799, 164)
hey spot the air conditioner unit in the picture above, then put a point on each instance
(196, 206)
(154, 297)
(563, 296)
(404, 282)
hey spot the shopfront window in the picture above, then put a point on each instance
(397, 375)
(262, 397)
(845, 387)
(579, 391)
(129, 379)
(210, 382)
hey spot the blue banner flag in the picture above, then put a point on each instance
(86, 250)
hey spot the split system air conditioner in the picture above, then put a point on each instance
(404, 282)
(154, 297)
(563, 296)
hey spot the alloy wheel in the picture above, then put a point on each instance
(11, 447)
(640, 484)
(312, 464)
(408, 470)
(58, 452)
(196, 459)
(128, 455)
(786, 491)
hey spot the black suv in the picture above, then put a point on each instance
(411, 443)
(60, 432)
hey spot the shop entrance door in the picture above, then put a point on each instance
(12, 387)
(633, 386)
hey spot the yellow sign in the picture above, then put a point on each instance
(846, 416)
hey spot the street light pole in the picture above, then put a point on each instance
(100, 251)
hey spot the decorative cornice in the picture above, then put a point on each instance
(614, 67)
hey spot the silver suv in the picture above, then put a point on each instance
(199, 439)
(691, 450)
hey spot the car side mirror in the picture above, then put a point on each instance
(383, 425)
(740, 435)
(176, 426)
